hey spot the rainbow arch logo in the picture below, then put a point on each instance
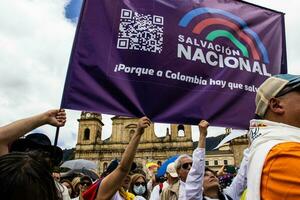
(234, 23)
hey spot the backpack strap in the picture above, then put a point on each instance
(161, 185)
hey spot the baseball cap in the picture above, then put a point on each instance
(171, 170)
(275, 86)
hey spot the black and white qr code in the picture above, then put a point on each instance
(140, 32)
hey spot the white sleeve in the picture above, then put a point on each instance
(194, 181)
(155, 193)
(239, 183)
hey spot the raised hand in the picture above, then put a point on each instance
(203, 125)
(143, 123)
(55, 117)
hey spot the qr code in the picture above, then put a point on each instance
(140, 32)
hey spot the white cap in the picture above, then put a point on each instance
(171, 170)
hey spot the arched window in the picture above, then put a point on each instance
(86, 135)
(131, 133)
(161, 129)
(225, 162)
(180, 130)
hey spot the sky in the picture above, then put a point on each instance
(36, 38)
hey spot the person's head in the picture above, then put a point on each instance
(25, 175)
(56, 175)
(278, 98)
(112, 166)
(138, 185)
(76, 185)
(183, 165)
(171, 172)
(210, 181)
(85, 182)
(69, 186)
(39, 142)
(138, 170)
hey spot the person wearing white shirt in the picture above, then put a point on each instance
(172, 177)
(176, 191)
(202, 182)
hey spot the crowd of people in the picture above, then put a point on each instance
(268, 171)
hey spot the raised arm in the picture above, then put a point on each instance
(14, 130)
(194, 182)
(111, 184)
(203, 125)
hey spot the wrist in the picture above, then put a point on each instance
(204, 132)
(140, 130)
(42, 118)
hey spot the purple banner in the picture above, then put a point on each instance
(175, 61)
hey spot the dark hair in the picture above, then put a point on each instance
(139, 171)
(257, 117)
(220, 194)
(210, 170)
(113, 165)
(87, 178)
(26, 176)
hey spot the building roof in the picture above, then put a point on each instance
(211, 142)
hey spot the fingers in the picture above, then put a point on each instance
(56, 117)
(61, 115)
(144, 122)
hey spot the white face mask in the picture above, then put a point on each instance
(139, 190)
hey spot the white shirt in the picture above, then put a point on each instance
(139, 198)
(182, 191)
(194, 181)
(117, 196)
(64, 190)
(155, 192)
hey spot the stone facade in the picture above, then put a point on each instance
(178, 140)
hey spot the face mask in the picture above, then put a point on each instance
(139, 190)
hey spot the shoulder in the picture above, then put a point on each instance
(283, 158)
(281, 170)
(290, 150)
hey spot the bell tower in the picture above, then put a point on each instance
(181, 132)
(90, 128)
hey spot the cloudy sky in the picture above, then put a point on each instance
(35, 45)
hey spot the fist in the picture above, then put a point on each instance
(143, 123)
(203, 124)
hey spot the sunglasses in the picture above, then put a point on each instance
(186, 165)
(85, 183)
(139, 183)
